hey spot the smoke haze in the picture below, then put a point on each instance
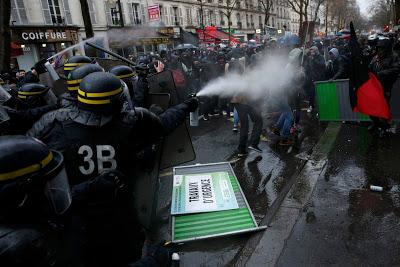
(270, 76)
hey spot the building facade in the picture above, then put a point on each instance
(41, 28)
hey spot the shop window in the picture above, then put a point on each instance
(18, 13)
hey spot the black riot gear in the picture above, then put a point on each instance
(74, 62)
(122, 72)
(32, 95)
(100, 93)
(127, 75)
(75, 76)
(29, 173)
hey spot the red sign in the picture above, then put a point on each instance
(154, 12)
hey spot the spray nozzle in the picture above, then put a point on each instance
(192, 95)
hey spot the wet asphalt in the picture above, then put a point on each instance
(262, 176)
(345, 223)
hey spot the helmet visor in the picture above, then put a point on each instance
(58, 193)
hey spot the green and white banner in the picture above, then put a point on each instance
(204, 192)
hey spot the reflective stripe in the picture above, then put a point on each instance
(27, 170)
(111, 93)
(74, 81)
(74, 64)
(22, 96)
(69, 68)
(73, 88)
(126, 75)
(94, 102)
(31, 93)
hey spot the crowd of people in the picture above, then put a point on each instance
(65, 158)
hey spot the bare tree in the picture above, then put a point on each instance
(266, 6)
(228, 11)
(5, 34)
(381, 12)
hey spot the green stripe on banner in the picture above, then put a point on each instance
(328, 103)
(234, 183)
(203, 224)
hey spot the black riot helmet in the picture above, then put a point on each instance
(32, 95)
(101, 93)
(75, 76)
(122, 72)
(74, 62)
(126, 74)
(31, 175)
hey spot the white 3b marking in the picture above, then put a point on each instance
(101, 156)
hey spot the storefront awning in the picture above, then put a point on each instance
(212, 35)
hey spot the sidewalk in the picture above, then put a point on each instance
(339, 221)
(345, 224)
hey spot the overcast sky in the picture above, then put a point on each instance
(364, 4)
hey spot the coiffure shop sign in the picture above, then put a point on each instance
(42, 35)
(61, 36)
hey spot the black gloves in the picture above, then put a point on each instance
(192, 103)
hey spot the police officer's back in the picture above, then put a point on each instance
(97, 136)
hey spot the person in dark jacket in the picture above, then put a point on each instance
(336, 68)
(97, 136)
(386, 66)
(315, 71)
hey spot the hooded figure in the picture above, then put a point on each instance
(336, 68)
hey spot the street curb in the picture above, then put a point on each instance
(264, 248)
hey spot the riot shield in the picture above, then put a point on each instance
(177, 147)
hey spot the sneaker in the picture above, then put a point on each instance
(235, 129)
(309, 110)
(206, 117)
(231, 114)
(276, 131)
(255, 148)
(286, 142)
(224, 113)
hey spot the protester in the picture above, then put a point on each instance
(315, 71)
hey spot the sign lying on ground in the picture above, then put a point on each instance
(220, 183)
(202, 193)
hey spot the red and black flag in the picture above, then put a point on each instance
(366, 92)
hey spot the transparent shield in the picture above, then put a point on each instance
(58, 192)
(50, 97)
(4, 95)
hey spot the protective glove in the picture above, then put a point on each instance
(192, 104)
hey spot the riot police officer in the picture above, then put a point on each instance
(69, 99)
(97, 136)
(75, 61)
(127, 75)
(33, 190)
(32, 100)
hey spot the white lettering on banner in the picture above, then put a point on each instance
(24, 36)
(105, 154)
(108, 157)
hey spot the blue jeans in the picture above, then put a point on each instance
(285, 122)
(235, 117)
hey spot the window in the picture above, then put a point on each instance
(247, 20)
(175, 16)
(18, 13)
(251, 21)
(114, 16)
(92, 11)
(189, 18)
(55, 11)
(222, 16)
(135, 14)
